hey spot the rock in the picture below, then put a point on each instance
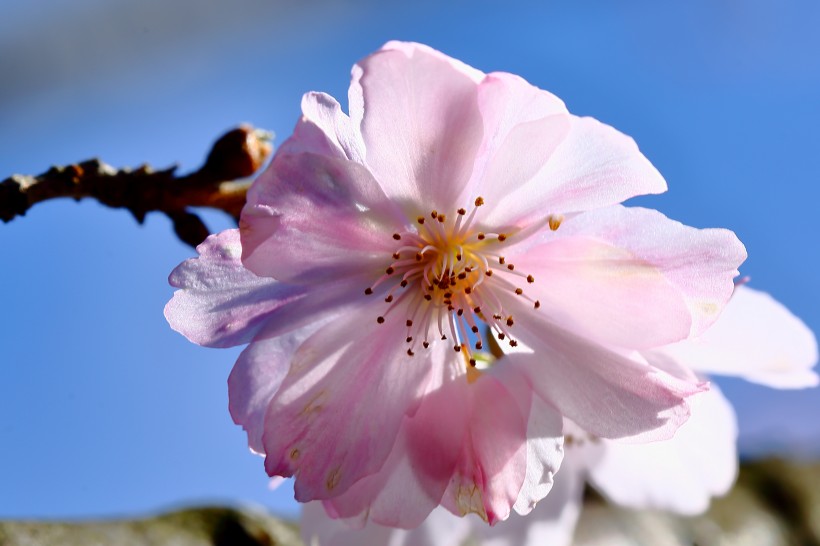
(192, 527)
(774, 503)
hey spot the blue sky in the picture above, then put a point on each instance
(106, 411)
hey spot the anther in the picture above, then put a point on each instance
(481, 236)
(380, 320)
(434, 215)
(442, 218)
(396, 255)
(501, 336)
(467, 290)
(457, 348)
(474, 329)
(390, 270)
(428, 297)
(513, 343)
(443, 337)
(497, 316)
(460, 312)
(458, 257)
(409, 339)
(519, 291)
(479, 201)
(478, 346)
(510, 267)
(403, 283)
(420, 219)
(462, 212)
(555, 221)
(368, 291)
(489, 272)
(502, 260)
(426, 345)
(396, 236)
(502, 237)
(530, 279)
(472, 362)
(510, 321)
(389, 298)
(476, 310)
(537, 304)
(462, 275)
(409, 323)
(410, 352)
(419, 257)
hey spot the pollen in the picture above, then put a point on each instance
(333, 479)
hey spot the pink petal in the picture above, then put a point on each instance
(414, 478)
(606, 292)
(398, 495)
(632, 274)
(467, 438)
(603, 391)
(755, 338)
(681, 474)
(326, 130)
(321, 426)
(552, 522)
(220, 303)
(522, 127)
(492, 460)
(594, 166)
(311, 218)
(420, 122)
(257, 376)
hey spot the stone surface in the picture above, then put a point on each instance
(774, 503)
(192, 527)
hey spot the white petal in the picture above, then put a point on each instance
(681, 474)
(755, 338)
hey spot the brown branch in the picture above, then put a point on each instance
(218, 184)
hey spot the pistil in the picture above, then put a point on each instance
(452, 273)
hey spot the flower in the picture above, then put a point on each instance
(376, 248)
(755, 338)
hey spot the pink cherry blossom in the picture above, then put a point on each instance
(679, 475)
(379, 244)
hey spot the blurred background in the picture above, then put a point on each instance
(105, 411)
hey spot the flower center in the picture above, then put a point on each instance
(448, 277)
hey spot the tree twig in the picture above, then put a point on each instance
(221, 183)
